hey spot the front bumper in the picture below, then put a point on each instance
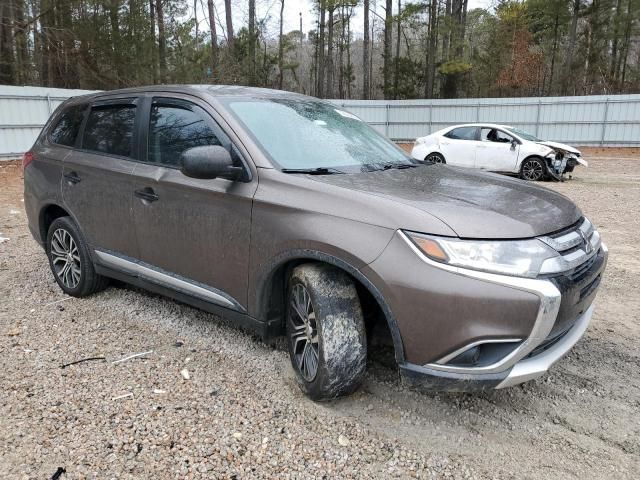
(443, 311)
(527, 369)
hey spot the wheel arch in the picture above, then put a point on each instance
(48, 214)
(271, 290)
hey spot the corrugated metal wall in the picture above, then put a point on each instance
(23, 112)
(612, 120)
(609, 120)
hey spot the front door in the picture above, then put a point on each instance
(192, 230)
(97, 181)
(459, 146)
(497, 151)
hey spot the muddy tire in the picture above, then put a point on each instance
(326, 335)
(70, 261)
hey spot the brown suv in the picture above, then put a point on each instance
(292, 217)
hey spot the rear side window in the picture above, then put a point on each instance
(174, 129)
(462, 133)
(109, 129)
(66, 130)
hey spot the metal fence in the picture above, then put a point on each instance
(607, 120)
(612, 120)
(23, 113)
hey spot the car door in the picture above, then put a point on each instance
(497, 150)
(459, 146)
(97, 178)
(193, 233)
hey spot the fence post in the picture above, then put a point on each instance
(430, 117)
(604, 121)
(49, 103)
(538, 116)
(386, 120)
(477, 112)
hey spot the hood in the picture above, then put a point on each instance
(473, 204)
(560, 146)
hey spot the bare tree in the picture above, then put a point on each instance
(365, 53)
(229, 21)
(214, 38)
(280, 48)
(162, 42)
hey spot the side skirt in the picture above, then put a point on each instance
(239, 319)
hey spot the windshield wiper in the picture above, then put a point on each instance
(312, 171)
(399, 166)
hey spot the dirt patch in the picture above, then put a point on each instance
(240, 412)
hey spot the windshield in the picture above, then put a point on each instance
(308, 134)
(523, 134)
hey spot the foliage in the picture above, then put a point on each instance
(435, 48)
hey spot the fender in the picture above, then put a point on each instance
(266, 279)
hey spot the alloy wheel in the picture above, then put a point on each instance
(65, 258)
(434, 158)
(303, 332)
(532, 170)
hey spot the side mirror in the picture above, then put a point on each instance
(514, 144)
(209, 162)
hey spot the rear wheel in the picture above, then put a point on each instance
(532, 169)
(70, 261)
(325, 331)
(434, 157)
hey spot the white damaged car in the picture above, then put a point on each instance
(498, 148)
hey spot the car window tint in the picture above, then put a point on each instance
(462, 133)
(66, 130)
(174, 129)
(110, 129)
(495, 135)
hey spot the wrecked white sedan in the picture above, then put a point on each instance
(498, 148)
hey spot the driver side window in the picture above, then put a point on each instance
(495, 135)
(175, 128)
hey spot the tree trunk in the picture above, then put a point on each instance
(214, 39)
(568, 64)
(396, 74)
(328, 91)
(320, 72)
(7, 61)
(281, 48)
(553, 53)
(154, 50)
(387, 56)
(162, 41)
(229, 21)
(252, 42)
(366, 89)
(431, 51)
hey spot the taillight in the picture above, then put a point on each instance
(27, 159)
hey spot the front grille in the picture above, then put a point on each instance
(577, 246)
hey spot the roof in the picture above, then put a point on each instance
(211, 90)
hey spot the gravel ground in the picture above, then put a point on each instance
(239, 413)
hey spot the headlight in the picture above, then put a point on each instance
(522, 258)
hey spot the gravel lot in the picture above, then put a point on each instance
(240, 414)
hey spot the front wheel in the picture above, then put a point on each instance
(434, 157)
(325, 331)
(532, 169)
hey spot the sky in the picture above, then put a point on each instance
(292, 10)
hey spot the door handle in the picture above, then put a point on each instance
(72, 178)
(147, 194)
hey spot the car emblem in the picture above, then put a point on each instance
(587, 244)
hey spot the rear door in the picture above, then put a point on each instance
(459, 146)
(97, 181)
(194, 232)
(496, 152)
